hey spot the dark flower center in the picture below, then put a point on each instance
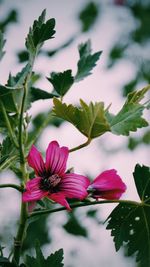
(50, 183)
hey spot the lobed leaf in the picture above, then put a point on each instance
(53, 260)
(130, 223)
(129, 118)
(136, 96)
(89, 119)
(61, 81)
(87, 61)
(13, 90)
(39, 33)
(142, 181)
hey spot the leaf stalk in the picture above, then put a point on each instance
(81, 146)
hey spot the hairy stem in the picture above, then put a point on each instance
(84, 204)
(20, 234)
(80, 146)
(23, 215)
(21, 148)
(15, 186)
(9, 128)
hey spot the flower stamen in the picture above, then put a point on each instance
(50, 183)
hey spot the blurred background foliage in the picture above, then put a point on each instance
(133, 45)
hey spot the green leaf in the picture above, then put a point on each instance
(116, 53)
(142, 181)
(130, 223)
(37, 94)
(4, 262)
(23, 56)
(39, 33)
(53, 52)
(87, 61)
(136, 96)
(13, 90)
(8, 154)
(129, 87)
(2, 43)
(72, 226)
(11, 17)
(129, 118)
(17, 81)
(88, 119)
(8, 93)
(61, 81)
(54, 260)
(88, 16)
(12, 120)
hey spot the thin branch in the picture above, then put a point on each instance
(80, 146)
(17, 187)
(84, 204)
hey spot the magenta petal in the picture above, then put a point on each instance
(35, 161)
(59, 198)
(56, 158)
(108, 185)
(33, 191)
(74, 185)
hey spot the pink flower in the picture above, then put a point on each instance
(107, 185)
(51, 181)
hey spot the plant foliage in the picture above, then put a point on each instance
(130, 224)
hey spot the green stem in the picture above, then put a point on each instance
(17, 187)
(21, 148)
(23, 215)
(84, 204)
(10, 131)
(20, 234)
(80, 146)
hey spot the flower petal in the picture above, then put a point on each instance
(33, 191)
(74, 185)
(59, 198)
(107, 185)
(56, 158)
(35, 161)
(113, 194)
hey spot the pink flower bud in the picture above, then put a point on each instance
(107, 185)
